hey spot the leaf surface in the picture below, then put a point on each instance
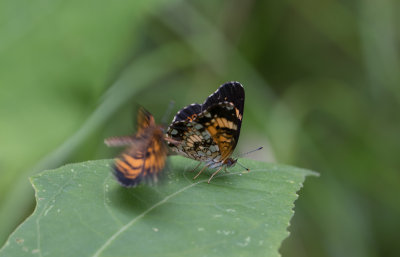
(82, 211)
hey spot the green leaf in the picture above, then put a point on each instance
(82, 211)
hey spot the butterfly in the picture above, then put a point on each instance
(146, 154)
(209, 132)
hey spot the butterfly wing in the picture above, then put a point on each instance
(156, 155)
(213, 134)
(144, 120)
(232, 92)
(188, 113)
(144, 159)
(224, 127)
(229, 92)
(129, 166)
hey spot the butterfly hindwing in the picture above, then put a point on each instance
(213, 134)
(223, 126)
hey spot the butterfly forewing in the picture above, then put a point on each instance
(129, 167)
(188, 113)
(229, 92)
(144, 121)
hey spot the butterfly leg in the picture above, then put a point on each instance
(172, 141)
(196, 167)
(200, 171)
(214, 175)
(226, 170)
(119, 141)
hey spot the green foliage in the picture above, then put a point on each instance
(82, 211)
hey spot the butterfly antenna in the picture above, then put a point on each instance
(243, 166)
(252, 151)
(167, 113)
(243, 154)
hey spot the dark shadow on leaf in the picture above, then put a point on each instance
(134, 200)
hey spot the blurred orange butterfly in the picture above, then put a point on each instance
(146, 154)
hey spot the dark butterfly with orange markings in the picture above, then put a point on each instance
(209, 132)
(146, 154)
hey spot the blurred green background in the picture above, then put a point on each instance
(322, 92)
